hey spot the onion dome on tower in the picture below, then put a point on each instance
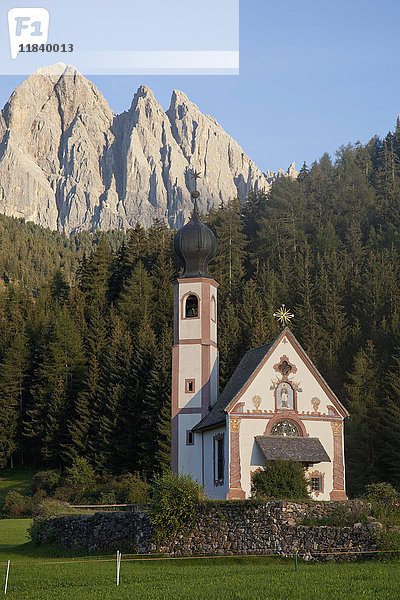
(195, 243)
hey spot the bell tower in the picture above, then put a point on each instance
(195, 351)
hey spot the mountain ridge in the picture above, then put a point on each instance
(68, 162)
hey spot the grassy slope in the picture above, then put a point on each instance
(18, 480)
(34, 577)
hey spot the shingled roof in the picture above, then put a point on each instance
(241, 375)
(307, 450)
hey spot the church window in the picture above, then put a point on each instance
(285, 428)
(192, 307)
(316, 484)
(189, 437)
(213, 309)
(189, 386)
(219, 459)
(285, 367)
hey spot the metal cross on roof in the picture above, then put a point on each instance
(196, 175)
(283, 315)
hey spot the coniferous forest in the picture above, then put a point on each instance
(86, 322)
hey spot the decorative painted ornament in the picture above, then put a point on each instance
(315, 402)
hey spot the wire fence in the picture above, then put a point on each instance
(294, 553)
(148, 557)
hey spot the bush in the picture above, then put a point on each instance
(382, 492)
(175, 502)
(80, 475)
(64, 493)
(131, 489)
(46, 480)
(280, 479)
(15, 504)
(107, 498)
(385, 501)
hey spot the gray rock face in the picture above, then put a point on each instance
(68, 162)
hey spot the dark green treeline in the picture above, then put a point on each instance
(85, 350)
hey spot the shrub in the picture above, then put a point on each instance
(15, 504)
(382, 492)
(46, 480)
(107, 498)
(131, 489)
(37, 529)
(80, 475)
(175, 502)
(64, 493)
(385, 501)
(280, 479)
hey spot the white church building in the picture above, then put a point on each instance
(275, 406)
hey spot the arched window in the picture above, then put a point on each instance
(285, 428)
(213, 309)
(191, 307)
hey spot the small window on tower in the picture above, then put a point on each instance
(189, 385)
(189, 437)
(192, 307)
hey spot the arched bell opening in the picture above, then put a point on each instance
(191, 307)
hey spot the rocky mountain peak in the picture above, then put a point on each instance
(68, 162)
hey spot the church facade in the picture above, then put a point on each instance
(276, 405)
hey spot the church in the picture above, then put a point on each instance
(276, 404)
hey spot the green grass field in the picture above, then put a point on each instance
(50, 573)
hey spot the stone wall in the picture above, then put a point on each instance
(225, 528)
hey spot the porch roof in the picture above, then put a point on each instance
(302, 449)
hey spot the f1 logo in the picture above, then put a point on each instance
(27, 25)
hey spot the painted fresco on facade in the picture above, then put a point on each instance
(284, 396)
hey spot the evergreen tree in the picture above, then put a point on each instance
(134, 303)
(364, 428)
(118, 403)
(94, 277)
(13, 398)
(144, 352)
(55, 389)
(228, 265)
(155, 430)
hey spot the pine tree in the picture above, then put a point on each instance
(364, 428)
(390, 411)
(144, 352)
(228, 265)
(118, 391)
(55, 388)
(135, 301)
(155, 430)
(13, 398)
(163, 296)
(94, 277)
(228, 341)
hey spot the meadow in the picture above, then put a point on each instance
(50, 573)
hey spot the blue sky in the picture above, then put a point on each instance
(313, 75)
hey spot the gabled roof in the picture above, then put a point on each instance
(302, 449)
(248, 367)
